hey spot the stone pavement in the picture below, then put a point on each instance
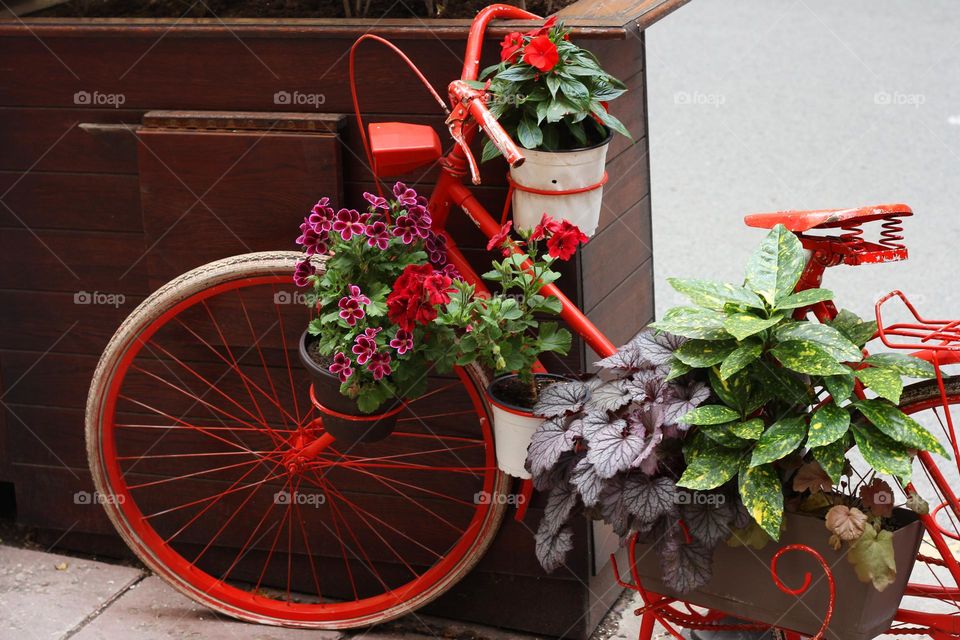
(46, 596)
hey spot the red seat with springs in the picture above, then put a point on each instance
(801, 221)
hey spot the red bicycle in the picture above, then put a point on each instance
(220, 477)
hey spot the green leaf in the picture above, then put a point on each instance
(739, 391)
(839, 386)
(529, 134)
(517, 73)
(744, 325)
(709, 465)
(903, 364)
(831, 340)
(551, 338)
(677, 369)
(856, 330)
(704, 353)
(693, 322)
(723, 435)
(898, 425)
(881, 452)
(807, 357)
(873, 558)
(782, 383)
(832, 458)
(763, 497)
(804, 298)
(576, 92)
(740, 357)
(609, 120)
(885, 382)
(710, 414)
(775, 267)
(780, 438)
(827, 425)
(490, 151)
(714, 295)
(748, 430)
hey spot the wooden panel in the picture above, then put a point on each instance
(210, 186)
(616, 252)
(634, 13)
(626, 310)
(72, 261)
(79, 201)
(56, 140)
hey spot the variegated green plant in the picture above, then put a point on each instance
(784, 388)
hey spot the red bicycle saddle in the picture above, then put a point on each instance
(801, 221)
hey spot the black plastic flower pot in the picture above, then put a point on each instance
(743, 586)
(341, 418)
(513, 424)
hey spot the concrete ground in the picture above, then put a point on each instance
(46, 596)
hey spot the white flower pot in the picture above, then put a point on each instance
(560, 171)
(513, 428)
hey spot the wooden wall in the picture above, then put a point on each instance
(94, 199)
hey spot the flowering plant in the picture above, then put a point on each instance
(550, 94)
(502, 331)
(386, 276)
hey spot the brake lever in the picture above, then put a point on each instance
(455, 123)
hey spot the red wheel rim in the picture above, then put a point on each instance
(201, 575)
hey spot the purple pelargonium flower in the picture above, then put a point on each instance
(351, 306)
(451, 272)
(365, 345)
(402, 342)
(377, 235)
(406, 228)
(312, 240)
(341, 366)
(376, 201)
(420, 216)
(348, 223)
(303, 271)
(321, 216)
(436, 246)
(405, 196)
(379, 365)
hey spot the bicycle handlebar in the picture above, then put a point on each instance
(471, 64)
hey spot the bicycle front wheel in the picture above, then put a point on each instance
(194, 409)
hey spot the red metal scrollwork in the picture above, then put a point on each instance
(806, 581)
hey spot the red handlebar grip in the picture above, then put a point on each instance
(495, 132)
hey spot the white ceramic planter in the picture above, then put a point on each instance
(560, 171)
(513, 428)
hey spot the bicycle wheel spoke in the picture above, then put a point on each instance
(263, 360)
(286, 358)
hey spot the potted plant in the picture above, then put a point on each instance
(502, 331)
(372, 340)
(759, 455)
(551, 96)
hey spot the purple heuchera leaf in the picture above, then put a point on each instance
(682, 398)
(593, 422)
(632, 501)
(610, 396)
(551, 439)
(708, 523)
(552, 549)
(613, 448)
(626, 359)
(562, 398)
(562, 501)
(646, 421)
(656, 347)
(587, 482)
(685, 566)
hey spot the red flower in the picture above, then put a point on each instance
(500, 236)
(416, 294)
(564, 242)
(510, 47)
(545, 29)
(547, 227)
(541, 53)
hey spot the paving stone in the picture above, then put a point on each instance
(152, 610)
(44, 595)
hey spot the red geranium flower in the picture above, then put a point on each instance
(415, 295)
(541, 53)
(500, 236)
(543, 30)
(510, 47)
(564, 242)
(547, 227)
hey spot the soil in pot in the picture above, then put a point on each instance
(513, 423)
(513, 391)
(326, 387)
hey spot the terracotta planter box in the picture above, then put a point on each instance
(742, 584)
